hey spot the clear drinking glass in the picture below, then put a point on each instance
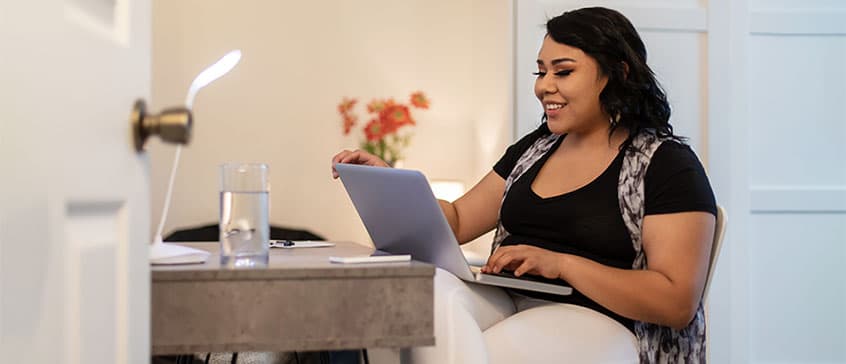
(244, 215)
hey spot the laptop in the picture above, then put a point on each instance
(402, 216)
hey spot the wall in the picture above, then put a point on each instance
(300, 59)
(796, 181)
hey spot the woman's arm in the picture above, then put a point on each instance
(477, 211)
(677, 248)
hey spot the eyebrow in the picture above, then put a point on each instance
(558, 60)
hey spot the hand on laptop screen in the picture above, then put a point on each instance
(356, 157)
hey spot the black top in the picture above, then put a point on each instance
(587, 222)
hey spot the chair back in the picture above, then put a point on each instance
(716, 245)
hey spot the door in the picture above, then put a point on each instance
(74, 200)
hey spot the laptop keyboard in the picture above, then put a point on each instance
(528, 277)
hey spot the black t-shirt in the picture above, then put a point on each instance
(587, 222)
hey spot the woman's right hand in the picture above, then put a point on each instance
(356, 157)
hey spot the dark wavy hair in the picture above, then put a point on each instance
(632, 96)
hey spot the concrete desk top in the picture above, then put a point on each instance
(301, 301)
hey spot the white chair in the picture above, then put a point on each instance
(716, 245)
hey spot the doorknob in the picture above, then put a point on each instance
(172, 125)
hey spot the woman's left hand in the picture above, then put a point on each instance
(523, 259)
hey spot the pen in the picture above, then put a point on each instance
(286, 243)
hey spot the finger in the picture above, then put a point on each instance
(362, 157)
(351, 157)
(521, 269)
(359, 157)
(502, 262)
(488, 267)
(525, 267)
(516, 257)
(491, 263)
(497, 254)
(512, 265)
(336, 159)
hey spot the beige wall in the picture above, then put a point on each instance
(300, 58)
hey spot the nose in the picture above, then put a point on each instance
(547, 84)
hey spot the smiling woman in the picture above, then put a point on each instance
(599, 190)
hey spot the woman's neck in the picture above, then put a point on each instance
(597, 138)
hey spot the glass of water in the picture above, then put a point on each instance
(244, 215)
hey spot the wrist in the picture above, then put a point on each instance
(564, 266)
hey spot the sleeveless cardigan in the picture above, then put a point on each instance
(656, 343)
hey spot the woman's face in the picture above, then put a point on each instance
(568, 85)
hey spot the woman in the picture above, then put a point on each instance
(602, 196)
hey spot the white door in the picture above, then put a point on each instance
(74, 200)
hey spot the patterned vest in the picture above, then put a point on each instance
(656, 343)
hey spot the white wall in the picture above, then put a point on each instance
(797, 181)
(300, 58)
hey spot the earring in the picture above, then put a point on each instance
(614, 120)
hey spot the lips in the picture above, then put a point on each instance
(553, 108)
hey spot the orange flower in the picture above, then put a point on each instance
(394, 117)
(381, 133)
(349, 122)
(376, 106)
(346, 105)
(374, 130)
(419, 100)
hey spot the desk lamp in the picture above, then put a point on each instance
(164, 125)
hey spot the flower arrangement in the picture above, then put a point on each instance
(386, 118)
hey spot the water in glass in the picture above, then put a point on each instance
(244, 229)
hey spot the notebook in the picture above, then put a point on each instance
(402, 216)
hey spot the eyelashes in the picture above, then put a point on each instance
(559, 73)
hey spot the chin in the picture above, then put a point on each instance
(558, 127)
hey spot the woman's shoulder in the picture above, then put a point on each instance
(676, 181)
(675, 153)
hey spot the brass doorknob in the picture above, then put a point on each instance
(172, 125)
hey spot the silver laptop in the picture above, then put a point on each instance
(402, 216)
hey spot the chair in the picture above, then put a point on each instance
(210, 232)
(716, 245)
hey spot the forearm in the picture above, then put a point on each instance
(641, 295)
(451, 215)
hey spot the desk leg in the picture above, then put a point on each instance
(388, 356)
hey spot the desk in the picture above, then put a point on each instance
(299, 302)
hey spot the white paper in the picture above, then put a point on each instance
(161, 253)
(371, 259)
